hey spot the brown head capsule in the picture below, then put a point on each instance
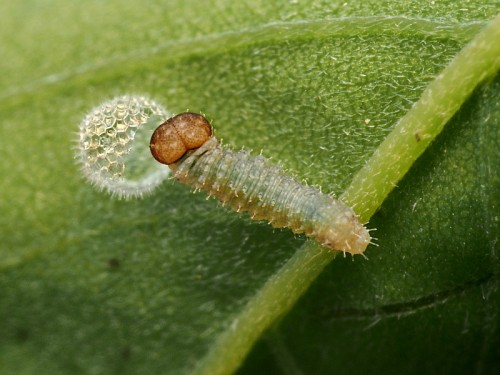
(179, 134)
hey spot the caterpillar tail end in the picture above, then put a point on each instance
(348, 235)
(358, 241)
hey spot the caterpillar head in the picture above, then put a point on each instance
(179, 134)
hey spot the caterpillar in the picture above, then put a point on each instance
(252, 184)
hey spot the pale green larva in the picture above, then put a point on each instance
(251, 184)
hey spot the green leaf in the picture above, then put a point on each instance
(89, 284)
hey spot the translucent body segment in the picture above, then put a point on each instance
(253, 185)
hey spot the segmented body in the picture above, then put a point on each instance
(251, 184)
